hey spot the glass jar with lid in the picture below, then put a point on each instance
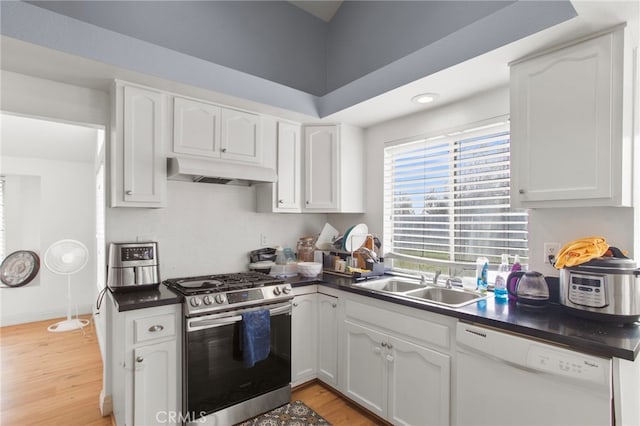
(305, 249)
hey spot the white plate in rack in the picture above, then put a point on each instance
(355, 237)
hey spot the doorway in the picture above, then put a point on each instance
(53, 188)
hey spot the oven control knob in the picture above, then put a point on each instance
(286, 290)
(219, 299)
(195, 302)
(207, 300)
(276, 291)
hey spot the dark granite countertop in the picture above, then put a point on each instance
(552, 323)
(140, 299)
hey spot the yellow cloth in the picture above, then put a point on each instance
(580, 251)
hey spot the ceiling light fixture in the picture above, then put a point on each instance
(425, 98)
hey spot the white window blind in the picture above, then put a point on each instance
(447, 198)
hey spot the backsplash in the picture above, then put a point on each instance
(208, 229)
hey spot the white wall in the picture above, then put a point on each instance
(557, 225)
(62, 212)
(207, 228)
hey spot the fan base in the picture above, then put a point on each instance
(68, 325)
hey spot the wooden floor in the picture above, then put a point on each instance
(49, 378)
(335, 409)
(55, 379)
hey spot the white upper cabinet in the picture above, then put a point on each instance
(333, 169)
(284, 195)
(206, 130)
(138, 167)
(289, 157)
(240, 136)
(196, 128)
(571, 130)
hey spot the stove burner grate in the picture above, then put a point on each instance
(221, 282)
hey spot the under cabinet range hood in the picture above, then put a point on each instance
(217, 171)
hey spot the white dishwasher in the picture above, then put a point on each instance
(506, 379)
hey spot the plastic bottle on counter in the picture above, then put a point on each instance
(500, 285)
(280, 257)
(482, 267)
(516, 264)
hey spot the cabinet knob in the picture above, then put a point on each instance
(139, 359)
(129, 192)
(155, 328)
(521, 191)
(224, 150)
(383, 344)
(280, 201)
(334, 305)
(307, 201)
(389, 358)
(389, 346)
(295, 305)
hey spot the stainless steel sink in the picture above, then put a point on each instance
(446, 296)
(411, 289)
(392, 285)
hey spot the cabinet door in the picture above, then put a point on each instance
(366, 369)
(561, 112)
(304, 338)
(240, 139)
(328, 339)
(418, 384)
(155, 385)
(288, 189)
(143, 140)
(196, 128)
(321, 168)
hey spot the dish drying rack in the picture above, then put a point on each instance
(334, 255)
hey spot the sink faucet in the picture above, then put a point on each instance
(435, 277)
(423, 278)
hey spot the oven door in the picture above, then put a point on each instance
(216, 376)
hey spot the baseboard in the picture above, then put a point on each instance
(53, 315)
(106, 404)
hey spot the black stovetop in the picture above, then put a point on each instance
(220, 282)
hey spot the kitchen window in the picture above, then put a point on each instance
(446, 200)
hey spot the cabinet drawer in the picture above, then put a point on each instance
(151, 328)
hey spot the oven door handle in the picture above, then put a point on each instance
(218, 322)
(221, 321)
(281, 310)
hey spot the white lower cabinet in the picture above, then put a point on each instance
(366, 370)
(418, 384)
(404, 383)
(328, 339)
(145, 367)
(155, 384)
(388, 372)
(304, 339)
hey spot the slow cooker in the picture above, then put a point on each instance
(604, 289)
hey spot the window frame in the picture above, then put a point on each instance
(449, 136)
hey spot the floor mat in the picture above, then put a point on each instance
(292, 414)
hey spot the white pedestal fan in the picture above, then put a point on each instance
(67, 257)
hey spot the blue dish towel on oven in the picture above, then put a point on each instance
(256, 336)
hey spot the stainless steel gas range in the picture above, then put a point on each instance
(218, 386)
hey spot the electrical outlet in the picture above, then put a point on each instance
(550, 249)
(263, 240)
